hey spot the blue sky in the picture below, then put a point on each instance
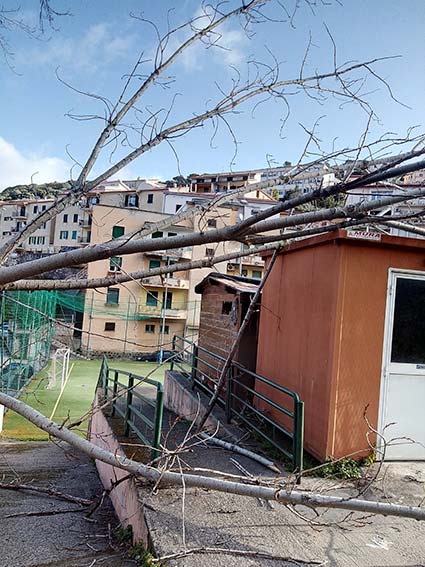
(98, 44)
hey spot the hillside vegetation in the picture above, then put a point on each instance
(35, 191)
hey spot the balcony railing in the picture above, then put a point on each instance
(253, 261)
(156, 311)
(185, 253)
(161, 281)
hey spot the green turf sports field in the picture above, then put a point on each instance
(76, 398)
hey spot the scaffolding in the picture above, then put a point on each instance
(26, 332)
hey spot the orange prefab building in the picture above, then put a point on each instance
(343, 324)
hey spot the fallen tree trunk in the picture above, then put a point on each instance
(283, 495)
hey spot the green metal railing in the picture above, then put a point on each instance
(247, 397)
(141, 414)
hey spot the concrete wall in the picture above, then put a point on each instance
(124, 496)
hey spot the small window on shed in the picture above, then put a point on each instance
(212, 223)
(209, 252)
(226, 307)
(109, 326)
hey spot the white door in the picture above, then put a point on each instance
(402, 407)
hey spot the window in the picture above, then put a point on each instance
(63, 235)
(112, 296)
(226, 307)
(154, 264)
(131, 201)
(115, 263)
(109, 326)
(117, 231)
(32, 240)
(41, 239)
(43, 207)
(157, 234)
(172, 234)
(167, 301)
(164, 330)
(244, 273)
(408, 345)
(65, 218)
(35, 209)
(212, 223)
(74, 235)
(43, 226)
(75, 218)
(257, 274)
(149, 200)
(149, 328)
(178, 207)
(152, 298)
(209, 252)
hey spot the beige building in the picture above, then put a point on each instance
(138, 316)
(142, 316)
(15, 215)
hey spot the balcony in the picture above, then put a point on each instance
(184, 253)
(19, 214)
(156, 312)
(161, 281)
(253, 261)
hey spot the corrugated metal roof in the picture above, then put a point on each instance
(235, 283)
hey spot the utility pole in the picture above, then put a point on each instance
(163, 316)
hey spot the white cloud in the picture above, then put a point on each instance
(229, 49)
(99, 46)
(227, 45)
(17, 168)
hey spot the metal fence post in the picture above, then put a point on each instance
(229, 392)
(114, 393)
(194, 364)
(105, 376)
(127, 416)
(174, 351)
(298, 438)
(159, 410)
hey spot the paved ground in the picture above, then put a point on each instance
(66, 539)
(229, 521)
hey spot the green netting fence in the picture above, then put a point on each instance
(26, 332)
